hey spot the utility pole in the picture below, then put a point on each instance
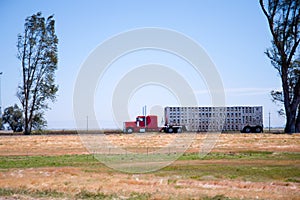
(269, 122)
(87, 123)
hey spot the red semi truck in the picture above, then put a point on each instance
(201, 119)
(149, 123)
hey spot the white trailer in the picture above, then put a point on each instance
(202, 119)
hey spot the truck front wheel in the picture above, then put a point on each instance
(129, 130)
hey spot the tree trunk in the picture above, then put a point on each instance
(298, 121)
(290, 126)
(26, 127)
(290, 117)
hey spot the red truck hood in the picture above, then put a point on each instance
(130, 124)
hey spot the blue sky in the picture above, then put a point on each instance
(233, 33)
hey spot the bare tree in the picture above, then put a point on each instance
(284, 22)
(37, 51)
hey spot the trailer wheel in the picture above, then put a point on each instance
(129, 130)
(170, 130)
(247, 129)
(179, 130)
(258, 129)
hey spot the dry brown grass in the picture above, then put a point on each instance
(72, 180)
(72, 144)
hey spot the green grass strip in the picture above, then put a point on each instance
(47, 161)
(89, 160)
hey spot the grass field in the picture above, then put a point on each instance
(241, 166)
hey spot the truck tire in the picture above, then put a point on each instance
(170, 130)
(129, 130)
(258, 129)
(247, 129)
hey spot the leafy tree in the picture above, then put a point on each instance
(13, 116)
(37, 51)
(38, 121)
(284, 22)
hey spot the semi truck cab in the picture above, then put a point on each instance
(149, 123)
(142, 124)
